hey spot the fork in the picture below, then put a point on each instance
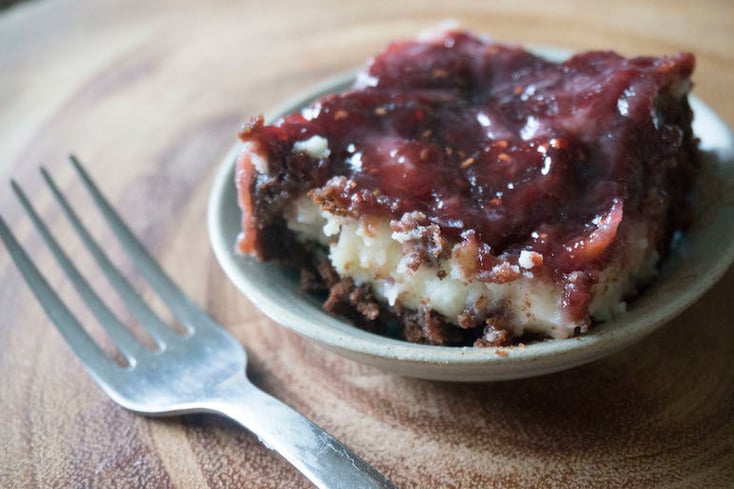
(202, 370)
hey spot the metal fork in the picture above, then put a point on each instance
(201, 371)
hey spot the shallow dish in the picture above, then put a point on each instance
(701, 257)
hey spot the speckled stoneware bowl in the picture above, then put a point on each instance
(702, 257)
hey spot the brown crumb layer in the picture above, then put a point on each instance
(359, 305)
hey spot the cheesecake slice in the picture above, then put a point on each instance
(465, 192)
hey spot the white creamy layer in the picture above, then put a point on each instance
(371, 253)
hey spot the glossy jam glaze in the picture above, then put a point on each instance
(501, 149)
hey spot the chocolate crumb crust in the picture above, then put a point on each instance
(359, 305)
(426, 244)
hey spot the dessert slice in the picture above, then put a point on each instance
(466, 192)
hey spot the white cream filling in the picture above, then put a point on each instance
(371, 253)
(316, 147)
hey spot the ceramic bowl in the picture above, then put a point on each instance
(703, 255)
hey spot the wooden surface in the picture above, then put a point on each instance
(151, 95)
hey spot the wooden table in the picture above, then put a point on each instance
(151, 95)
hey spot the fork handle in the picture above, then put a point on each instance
(319, 456)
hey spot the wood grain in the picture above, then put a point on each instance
(152, 95)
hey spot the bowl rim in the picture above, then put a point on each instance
(338, 335)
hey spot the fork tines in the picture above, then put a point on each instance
(59, 313)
